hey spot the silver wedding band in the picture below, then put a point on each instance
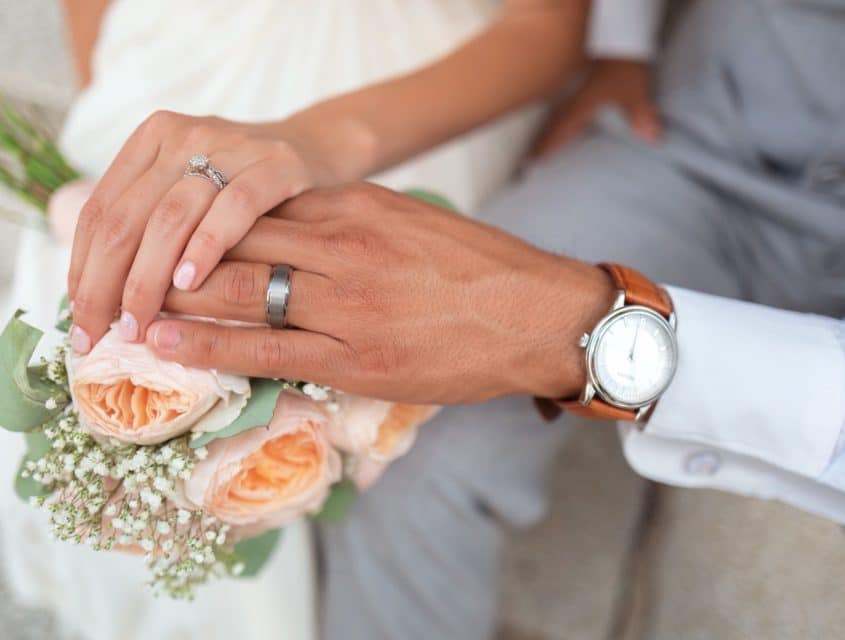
(200, 166)
(278, 293)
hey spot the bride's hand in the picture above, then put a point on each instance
(147, 225)
(393, 298)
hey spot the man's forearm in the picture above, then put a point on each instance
(520, 58)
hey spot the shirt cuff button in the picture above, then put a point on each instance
(703, 463)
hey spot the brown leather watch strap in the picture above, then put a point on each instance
(639, 290)
(598, 409)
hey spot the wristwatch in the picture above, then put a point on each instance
(631, 354)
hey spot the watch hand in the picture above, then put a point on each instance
(636, 337)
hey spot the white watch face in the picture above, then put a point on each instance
(634, 357)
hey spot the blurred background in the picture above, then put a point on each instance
(618, 557)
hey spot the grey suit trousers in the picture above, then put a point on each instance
(744, 198)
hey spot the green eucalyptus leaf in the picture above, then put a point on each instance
(23, 391)
(337, 507)
(256, 413)
(37, 445)
(432, 198)
(43, 174)
(254, 553)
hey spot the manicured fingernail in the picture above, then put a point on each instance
(184, 276)
(167, 337)
(70, 307)
(128, 327)
(80, 340)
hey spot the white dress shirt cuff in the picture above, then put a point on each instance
(752, 381)
(624, 28)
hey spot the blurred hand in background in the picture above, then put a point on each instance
(610, 81)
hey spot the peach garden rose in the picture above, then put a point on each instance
(267, 477)
(374, 433)
(122, 391)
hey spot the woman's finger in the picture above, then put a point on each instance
(252, 193)
(565, 126)
(172, 222)
(238, 291)
(257, 352)
(98, 294)
(280, 241)
(136, 157)
(311, 206)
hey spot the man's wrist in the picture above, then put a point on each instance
(579, 295)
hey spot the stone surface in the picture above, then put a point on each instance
(564, 578)
(721, 566)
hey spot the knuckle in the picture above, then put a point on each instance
(85, 305)
(241, 198)
(345, 359)
(359, 196)
(207, 243)
(168, 215)
(135, 290)
(270, 353)
(240, 286)
(199, 132)
(376, 358)
(209, 345)
(282, 150)
(158, 122)
(350, 242)
(89, 218)
(116, 232)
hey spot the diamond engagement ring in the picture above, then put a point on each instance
(278, 292)
(200, 166)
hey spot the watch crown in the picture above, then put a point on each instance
(584, 340)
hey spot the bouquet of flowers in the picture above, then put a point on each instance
(199, 471)
(31, 168)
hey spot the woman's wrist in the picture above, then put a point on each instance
(336, 147)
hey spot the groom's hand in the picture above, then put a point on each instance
(393, 298)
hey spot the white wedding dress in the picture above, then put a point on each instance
(247, 60)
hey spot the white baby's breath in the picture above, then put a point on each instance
(107, 494)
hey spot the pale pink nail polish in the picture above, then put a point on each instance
(127, 328)
(184, 276)
(167, 337)
(80, 340)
